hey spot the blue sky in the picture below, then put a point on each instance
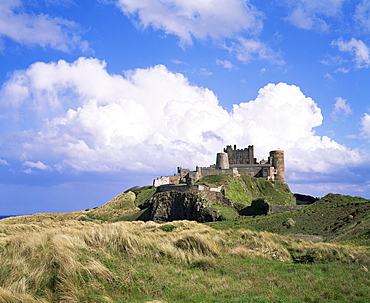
(99, 96)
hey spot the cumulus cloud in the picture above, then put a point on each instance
(341, 107)
(311, 14)
(152, 120)
(194, 19)
(358, 49)
(38, 29)
(282, 117)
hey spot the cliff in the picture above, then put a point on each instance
(174, 205)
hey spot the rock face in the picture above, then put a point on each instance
(174, 205)
(258, 207)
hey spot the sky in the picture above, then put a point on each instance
(97, 96)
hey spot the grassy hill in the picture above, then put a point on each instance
(334, 218)
(125, 207)
(84, 261)
(244, 189)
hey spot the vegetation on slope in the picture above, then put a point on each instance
(79, 261)
(333, 218)
(127, 206)
(244, 189)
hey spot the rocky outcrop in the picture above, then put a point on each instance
(258, 207)
(174, 205)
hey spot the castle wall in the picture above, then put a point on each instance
(185, 188)
(169, 187)
(207, 171)
(240, 156)
(161, 181)
(255, 170)
(166, 180)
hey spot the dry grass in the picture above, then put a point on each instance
(77, 261)
(110, 211)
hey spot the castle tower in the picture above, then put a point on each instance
(222, 161)
(277, 157)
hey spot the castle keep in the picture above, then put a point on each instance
(232, 161)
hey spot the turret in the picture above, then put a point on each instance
(277, 157)
(222, 161)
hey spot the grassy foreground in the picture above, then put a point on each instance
(83, 261)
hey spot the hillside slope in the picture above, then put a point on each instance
(334, 218)
(244, 189)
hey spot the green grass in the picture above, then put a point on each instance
(236, 191)
(228, 213)
(242, 190)
(244, 280)
(335, 218)
(167, 227)
(337, 200)
(132, 216)
(143, 194)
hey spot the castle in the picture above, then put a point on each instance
(232, 161)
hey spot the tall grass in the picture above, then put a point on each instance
(76, 261)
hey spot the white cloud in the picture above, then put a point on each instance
(333, 60)
(3, 162)
(232, 24)
(39, 165)
(99, 121)
(342, 70)
(30, 29)
(365, 125)
(249, 49)
(225, 63)
(310, 14)
(328, 76)
(341, 107)
(153, 120)
(358, 49)
(362, 14)
(195, 19)
(282, 117)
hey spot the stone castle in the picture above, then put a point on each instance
(232, 161)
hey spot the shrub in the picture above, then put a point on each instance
(289, 223)
(167, 227)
